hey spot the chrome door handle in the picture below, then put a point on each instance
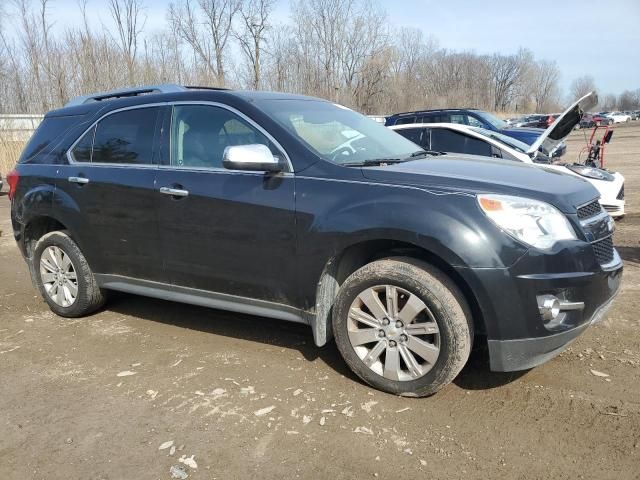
(174, 192)
(79, 180)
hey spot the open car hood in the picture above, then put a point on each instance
(563, 125)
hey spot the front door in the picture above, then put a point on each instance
(224, 231)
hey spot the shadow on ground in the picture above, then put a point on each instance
(629, 254)
(475, 375)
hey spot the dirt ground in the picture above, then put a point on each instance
(247, 397)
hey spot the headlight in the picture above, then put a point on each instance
(590, 172)
(533, 222)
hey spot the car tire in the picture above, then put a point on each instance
(413, 281)
(63, 276)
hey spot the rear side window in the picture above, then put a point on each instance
(416, 135)
(435, 118)
(126, 137)
(82, 151)
(445, 140)
(405, 120)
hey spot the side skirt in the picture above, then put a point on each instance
(203, 298)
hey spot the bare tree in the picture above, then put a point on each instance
(581, 86)
(254, 15)
(544, 88)
(508, 73)
(206, 28)
(129, 19)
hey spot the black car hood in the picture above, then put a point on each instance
(475, 174)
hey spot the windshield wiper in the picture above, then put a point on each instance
(374, 162)
(421, 153)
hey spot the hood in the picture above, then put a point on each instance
(524, 134)
(564, 124)
(475, 174)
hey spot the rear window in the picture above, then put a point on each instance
(46, 135)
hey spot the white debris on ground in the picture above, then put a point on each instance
(264, 411)
(365, 430)
(367, 406)
(126, 373)
(165, 445)
(188, 461)
(599, 374)
(178, 472)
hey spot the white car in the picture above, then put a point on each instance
(457, 138)
(619, 117)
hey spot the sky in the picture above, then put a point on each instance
(601, 39)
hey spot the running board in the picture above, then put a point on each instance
(203, 298)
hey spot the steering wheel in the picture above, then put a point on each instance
(345, 151)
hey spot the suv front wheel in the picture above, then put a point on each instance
(63, 276)
(403, 326)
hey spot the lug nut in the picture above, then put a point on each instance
(392, 343)
(381, 333)
(385, 322)
(399, 324)
(403, 338)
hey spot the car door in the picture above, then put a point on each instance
(224, 231)
(107, 193)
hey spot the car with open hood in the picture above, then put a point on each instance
(302, 210)
(456, 139)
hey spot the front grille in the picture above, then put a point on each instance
(590, 210)
(621, 194)
(612, 208)
(603, 250)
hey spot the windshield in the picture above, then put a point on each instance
(336, 133)
(493, 120)
(504, 139)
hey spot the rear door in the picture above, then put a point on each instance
(107, 191)
(224, 231)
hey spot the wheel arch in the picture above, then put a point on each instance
(355, 256)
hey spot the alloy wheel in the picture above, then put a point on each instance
(393, 332)
(58, 276)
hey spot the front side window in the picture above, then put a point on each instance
(126, 137)
(201, 133)
(336, 133)
(406, 120)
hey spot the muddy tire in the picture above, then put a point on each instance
(403, 326)
(64, 277)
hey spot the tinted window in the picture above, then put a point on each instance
(405, 120)
(445, 140)
(200, 134)
(435, 118)
(82, 151)
(49, 130)
(413, 134)
(457, 118)
(126, 137)
(474, 122)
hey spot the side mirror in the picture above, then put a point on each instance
(254, 157)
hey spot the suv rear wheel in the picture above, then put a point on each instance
(403, 326)
(63, 276)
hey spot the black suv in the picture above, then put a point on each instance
(299, 209)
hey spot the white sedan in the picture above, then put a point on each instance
(457, 138)
(619, 117)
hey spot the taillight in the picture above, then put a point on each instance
(12, 179)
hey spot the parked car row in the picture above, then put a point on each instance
(302, 210)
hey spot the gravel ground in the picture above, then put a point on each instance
(145, 386)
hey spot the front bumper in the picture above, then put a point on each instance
(518, 338)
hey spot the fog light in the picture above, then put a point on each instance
(549, 307)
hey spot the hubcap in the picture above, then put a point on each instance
(58, 276)
(394, 333)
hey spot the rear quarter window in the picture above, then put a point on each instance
(49, 132)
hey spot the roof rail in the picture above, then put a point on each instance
(125, 92)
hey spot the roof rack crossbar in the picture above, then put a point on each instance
(125, 92)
